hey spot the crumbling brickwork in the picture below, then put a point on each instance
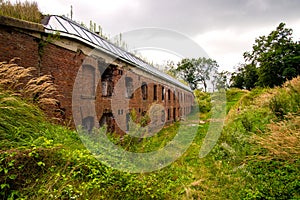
(107, 88)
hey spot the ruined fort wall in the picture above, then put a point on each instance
(104, 78)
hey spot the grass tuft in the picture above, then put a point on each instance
(20, 82)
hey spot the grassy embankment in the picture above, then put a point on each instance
(257, 155)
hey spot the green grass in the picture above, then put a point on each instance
(40, 160)
(232, 96)
(254, 158)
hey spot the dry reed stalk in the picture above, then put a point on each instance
(283, 139)
(294, 83)
(19, 80)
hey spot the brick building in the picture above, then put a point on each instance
(100, 83)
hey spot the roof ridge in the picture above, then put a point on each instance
(74, 28)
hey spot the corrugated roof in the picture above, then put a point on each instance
(67, 27)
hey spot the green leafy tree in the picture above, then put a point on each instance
(196, 71)
(245, 77)
(237, 78)
(276, 57)
(250, 76)
(221, 80)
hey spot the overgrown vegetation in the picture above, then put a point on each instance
(257, 156)
(28, 11)
(20, 82)
(274, 59)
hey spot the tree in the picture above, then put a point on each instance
(220, 80)
(276, 57)
(196, 71)
(245, 77)
(250, 76)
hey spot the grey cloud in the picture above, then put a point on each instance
(195, 17)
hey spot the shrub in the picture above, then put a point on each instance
(287, 99)
(203, 100)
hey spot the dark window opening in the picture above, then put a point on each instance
(88, 86)
(129, 87)
(144, 91)
(169, 114)
(174, 114)
(107, 81)
(155, 92)
(107, 120)
(88, 124)
(162, 93)
(120, 112)
(163, 116)
(169, 94)
(174, 94)
(127, 121)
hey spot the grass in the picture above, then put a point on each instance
(19, 81)
(28, 11)
(39, 160)
(256, 157)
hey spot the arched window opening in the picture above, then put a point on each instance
(88, 124)
(107, 81)
(162, 93)
(107, 120)
(154, 92)
(88, 86)
(144, 88)
(129, 87)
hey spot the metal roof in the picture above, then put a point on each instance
(67, 27)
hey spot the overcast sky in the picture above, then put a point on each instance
(224, 28)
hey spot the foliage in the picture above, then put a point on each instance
(28, 11)
(203, 100)
(232, 96)
(196, 71)
(260, 149)
(257, 156)
(286, 100)
(39, 160)
(273, 60)
(221, 80)
(246, 77)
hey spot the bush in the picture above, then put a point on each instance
(287, 99)
(203, 100)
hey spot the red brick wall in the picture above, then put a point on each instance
(16, 44)
(64, 65)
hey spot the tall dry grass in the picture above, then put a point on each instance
(282, 140)
(19, 81)
(293, 84)
(28, 11)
